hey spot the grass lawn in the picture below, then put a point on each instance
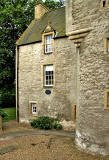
(11, 112)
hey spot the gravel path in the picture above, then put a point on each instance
(43, 147)
(11, 135)
(23, 143)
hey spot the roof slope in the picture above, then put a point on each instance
(34, 31)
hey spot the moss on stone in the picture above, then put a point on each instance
(57, 21)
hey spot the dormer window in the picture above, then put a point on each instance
(48, 44)
(48, 35)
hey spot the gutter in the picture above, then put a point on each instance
(39, 41)
(17, 87)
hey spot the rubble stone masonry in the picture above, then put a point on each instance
(92, 123)
(59, 103)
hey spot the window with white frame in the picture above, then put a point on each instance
(48, 75)
(34, 108)
(48, 43)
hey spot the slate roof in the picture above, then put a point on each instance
(34, 31)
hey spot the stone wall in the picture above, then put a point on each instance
(69, 18)
(92, 124)
(60, 102)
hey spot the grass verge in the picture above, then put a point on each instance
(11, 112)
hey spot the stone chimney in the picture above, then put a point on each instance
(40, 10)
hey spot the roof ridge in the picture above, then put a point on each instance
(34, 30)
(57, 8)
(52, 10)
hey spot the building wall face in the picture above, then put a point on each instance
(63, 94)
(69, 18)
(92, 124)
(93, 120)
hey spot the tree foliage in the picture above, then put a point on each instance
(15, 16)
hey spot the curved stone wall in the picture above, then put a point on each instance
(92, 123)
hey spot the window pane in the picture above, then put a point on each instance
(47, 83)
(49, 68)
(47, 72)
(34, 109)
(46, 77)
(50, 82)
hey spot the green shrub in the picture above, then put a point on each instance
(3, 114)
(57, 126)
(46, 123)
(42, 123)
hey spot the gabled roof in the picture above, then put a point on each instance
(48, 28)
(34, 31)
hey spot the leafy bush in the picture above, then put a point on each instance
(57, 126)
(7, 99)
(45, 122)
(3, 114)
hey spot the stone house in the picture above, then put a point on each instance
(62, 60)
(46, 68)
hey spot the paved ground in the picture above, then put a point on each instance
(11, 135)
(43, 147)
(24, 143)
(12, 129)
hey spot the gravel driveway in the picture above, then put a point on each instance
(17, 143)
(43, 147)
